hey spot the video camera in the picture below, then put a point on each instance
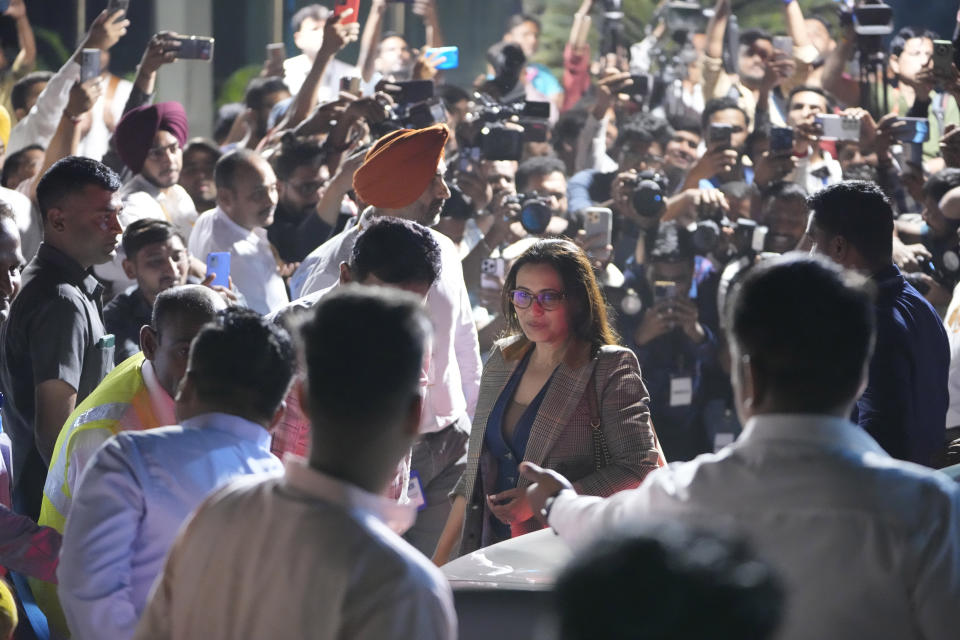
(498, 131)
(535, 211)
(415, 107)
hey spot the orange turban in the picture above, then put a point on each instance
(400, 166)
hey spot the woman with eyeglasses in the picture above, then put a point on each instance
(558, 392)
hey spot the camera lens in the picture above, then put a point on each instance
(648, 198)
(535, 215)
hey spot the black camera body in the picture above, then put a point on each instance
(748, 237)
(649, 194)
(495, 139)
(535, 211)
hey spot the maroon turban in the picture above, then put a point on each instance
(135, 132)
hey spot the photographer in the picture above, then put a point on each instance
(676, 348)
(815, 168)
(726, 125)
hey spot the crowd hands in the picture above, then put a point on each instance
(674, 166)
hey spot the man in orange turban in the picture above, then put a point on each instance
(402, 176)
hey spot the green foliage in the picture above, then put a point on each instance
(51, 52)
(235, 86)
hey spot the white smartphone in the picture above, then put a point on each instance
(598, 225)
(839, 127)
(492, 274)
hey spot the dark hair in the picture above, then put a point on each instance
(15, 162)
(146, 231)
(810, 89)
(861, 171)
(316, 12)
(644, 129)
(242, 360)
(226, 116)
(259, 88)
(939, 183)
(784, 190)
(203, 145)
(720, 104)
(452, 94)
(808, 328)
(71, 175)
(674, 243)
(568, 126)
(227, 167)
(899, 41)
(538, 167)
(190, 300)
(686, 123)
(296, 152)
(749, 36)
(860, 213)
(18, 95)
(734, 594)
(589, 314)
(519, 18)
(345, 391)
(396, 252)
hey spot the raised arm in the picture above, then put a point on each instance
(26, 60)
(427, 10)
(371, 39)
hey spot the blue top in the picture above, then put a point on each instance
(133, 497)
(904, 406)
(509, 453)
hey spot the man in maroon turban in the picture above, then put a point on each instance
(149, 140)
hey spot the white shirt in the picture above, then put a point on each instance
(28, 221)
(296, 69)
(39, 126)
(317, 560)
(132, 499)
(454, 375)
(829, 170)
(952, 324)
(253, 266)
(867, 546)
(143, 199)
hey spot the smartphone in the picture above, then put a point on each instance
(89, 64)
(218, 263)
(720, 134)
(492, 274)
(112, 7)
(664, 290)
(942, 58)
(276, 53)
(340, 6)
(916, 131)
(450, 55)
(781, 139)
(350, 85)
(194, 48)
(783, 43)
(839, 127)
(598, 221)
(640, 85)
(414, 91)
(535, 109)
(4, 5)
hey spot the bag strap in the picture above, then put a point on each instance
(601, 454)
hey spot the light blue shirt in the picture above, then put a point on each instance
(136, 492)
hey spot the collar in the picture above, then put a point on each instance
(821, 431)
(140, 183)
(234, 228)
(234, 425)
(303, 478)
(70, 269)
(160, 401)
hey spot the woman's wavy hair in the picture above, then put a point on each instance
(587, 308)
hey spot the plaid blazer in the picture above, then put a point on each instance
(561, 438)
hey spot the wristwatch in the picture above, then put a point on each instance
(547, 506)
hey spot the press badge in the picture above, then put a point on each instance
(107, 341)
(681, 391)
(415, 492)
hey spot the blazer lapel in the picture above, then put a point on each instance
(565, 393)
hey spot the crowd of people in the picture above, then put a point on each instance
(694, 304)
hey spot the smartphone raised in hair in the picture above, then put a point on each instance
(783, 43)
(218, 263)
(916, 130)
(719, 135)
(836, 127)
(194, 47)
(598, 223)
(350, 85)
(340, 7)
(116, 5)
(450, 55)
(89, 64)
(276, 53)
(664, 290)
(781, 139)
(493, 272)
(942, 59)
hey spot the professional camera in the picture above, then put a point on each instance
(743, 238)
(415, 107)
(649, 194)
(535, 211)
(487, 127)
